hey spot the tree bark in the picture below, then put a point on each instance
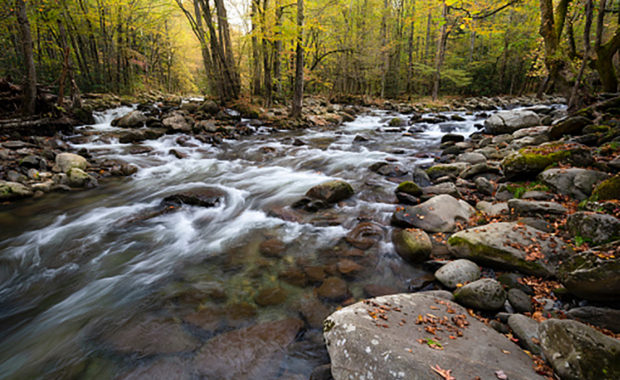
(256, 67)
(441, 50)
(605, 52)
(299, 64)
(30, 85)
(586, 53)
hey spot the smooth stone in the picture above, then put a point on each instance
(447, 188)
(79, 178)
(510, 121)
(575, 182)
(457, 272)
(521, 207)
(520, 301)
(591, 277)
(484, 294)
(331, 191)
(471, 158)
(272, 248)
(598, 228)
(66, 161)
(492, 209)
(604, 317)
(441, 170)
(526, 330)
(365, 235)
(412, 244)
(334, 289)
(133, 119)
(270, 296)
(204, 197)
(13, 190)
(438, 214)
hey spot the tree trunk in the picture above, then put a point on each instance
(266, 64)
(441, 50)
(586, 53)
(277, 65)
(299, 64)
(30, 86)
(605, 52)
(551, 25)
(256, 67)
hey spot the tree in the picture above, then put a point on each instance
(298, 92)
(551, 26)
(30, 85)
(606, 51)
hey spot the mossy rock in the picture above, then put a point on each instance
(608, 189)
(440, 170)
(397, 122)
(409, 187)
(530, 161)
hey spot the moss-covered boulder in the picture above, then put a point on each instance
(397, 122)
(570, 126)
(13, 190)
(331, 191)
(533, 160)
(441, 170)
(593, 274)
(79, 178)
(577, 351)
(512, 246)
(608, 189)
(484, 294)
(66, 161)
(409, 187)
(412, 244)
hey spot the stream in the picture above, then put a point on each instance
(81, 272)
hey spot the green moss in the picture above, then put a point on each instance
(493, 256)
(520, 188)
(608, 189)
(596, 128)
(397, 122)
(409, 187)
(533, 160)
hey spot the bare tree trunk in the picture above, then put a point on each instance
(586, 53)
(256, 67)
(266, 56)
(277, 65)
(605, 52)
(441, 50)
(299, 64)
(427, 50)
(30, 87)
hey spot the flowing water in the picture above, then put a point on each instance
(77, 268)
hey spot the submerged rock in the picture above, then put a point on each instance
(331, 192)
(207, 197)
(334, 289)
(360, 347)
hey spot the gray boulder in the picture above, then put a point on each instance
(526, 330)
(578, 352)
(575, 182)
(134, 119)
(13, 190)
(521, 207)
(442, 188)
(176, 123)
(457, 272)
(520, 301)
(438, 214)
(79, 178)
(510, 121)
(599, 228)
(442, 170)
(570, 126)
(484, 294)
(471, 158)
(590, 276)
(492, 209)
(360, 346)
(331, 191)
(510, 245)
(66, 161)
(599, 316)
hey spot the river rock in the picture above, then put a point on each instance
(331, 192)
(448, 188)
(533, 160)
(388, 169)
(312, 310)
(492, 209)
(452, 137)
(205, 197)
(412, 244)
(484, 294)
(409, 187)
(270, 296)
(504, 245)
(471, 158)
(160, 369)
(592, 277)
(360, 348)
(526, 330)
(13, 190)
(604, 317)
(248, 353)
(438, 214)
(134, 119)
(420, 177)
(176, 123)
(599, 228)
(484, 186)
(79, 178)
(575, 182)
(520, 301)
(541, 130)
(457, 272)
(510, 121)
(272, 248)
(570, 126)
(521, 207)
(442, 170)
(608, 189)
(66, 161)
(578, 352)
(334, 289)
(365, 235)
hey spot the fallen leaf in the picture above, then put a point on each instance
(501, 375)
(444, 373)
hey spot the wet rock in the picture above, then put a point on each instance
(358, 347)
(412, 244)
(177, 124)
(522, 207)
(66, 161)
(134, 119)
(479, 169)
(420, 177)
(209, 107)
(599, 316)
(331, 192)
(294, 276)
(160, 369)
(272, 248)
(447, 188)
(452, 137)
(575, 182)
(410, 188)
(578, 352)
(485, 294)
(471, 158)
(360, 138)
(407, 199)
(592, 277)
(13, 190)
(389, 170)
(131, 137)
(315, 273)
(207, 197)
(520, 301)
(569, 126)
(533, 160)
(177, 154)
(598, 228)
(438, 214)
(504, 245)
(526, 330)
(457, 272)
(313, 311)
(375, 290)
(334, 289)
(531, 132)
(397, 122)
(150, 336)
(510, 121)
(608, 189)
(365, 235)
(79, 178)
(270, 296)
(248, 353)
(441, 170)
(492, 209)
(322, 372)
(348, 267)
(484, 186)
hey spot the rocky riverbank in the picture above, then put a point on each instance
(522, 222)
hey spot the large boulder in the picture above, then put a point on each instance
(360, 345)
(608, 189)
(592, 274)
(576, 182)
(511, 246)
(533, 160)
(604, 317)
(438, 214)
(510, 121)
(331, 191)
(570, 126)
(13, 190)
(134, 119)
(484, 294)
(526, 330)
(412, 244)
(177, 123)
(522, 207)
(248, 353)
(578, 352)
(66, 161)
(457, 272)
(442, 170)
(598, 228)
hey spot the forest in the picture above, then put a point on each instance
(310, 189)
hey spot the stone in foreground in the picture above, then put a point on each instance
(359, 348)
(457, 272)
(484, 294)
